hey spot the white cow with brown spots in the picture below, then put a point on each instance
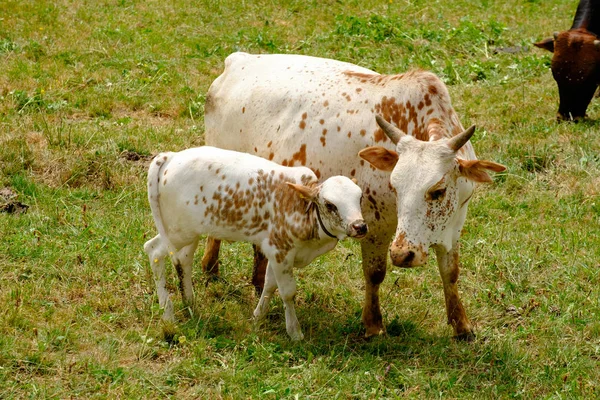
(300, 110)
(241, 197)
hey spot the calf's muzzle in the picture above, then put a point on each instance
(358, 229)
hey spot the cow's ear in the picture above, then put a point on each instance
(546, 44)
(307, 193)
(379, 157)
(476, 170)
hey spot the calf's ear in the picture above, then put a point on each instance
(546, 44)
(379, 157)
(307, 193)
(476, 170)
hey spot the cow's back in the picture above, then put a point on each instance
(300, 110)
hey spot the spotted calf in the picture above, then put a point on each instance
(239, 197)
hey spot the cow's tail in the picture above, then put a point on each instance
(154, 173)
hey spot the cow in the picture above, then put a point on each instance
(320, 113)
(241, 197)
(576, 61)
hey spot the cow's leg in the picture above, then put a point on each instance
(210, 260)
(374, 262)
(269, 289)
(259, 270)
(449, 270)
(183, 261)
(157, 251)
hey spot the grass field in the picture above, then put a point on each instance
(90, 90)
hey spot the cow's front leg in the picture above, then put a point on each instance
(183, 261)
(449, 270)
(210, 260)
(374, 260)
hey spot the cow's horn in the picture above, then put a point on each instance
(555, 34)
(459, 140)
(390, 130)
(597, 43)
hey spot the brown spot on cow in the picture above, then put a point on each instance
(269, 144)
(323, 140)
(349, 134)
(324, 132)
(321, 121)
(326, 103)
(302, 124)
(353, 172)
(243, 110)
(358, 90)
(363, 132)
(271, 156)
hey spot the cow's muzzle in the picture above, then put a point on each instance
(358, 229)
(407, 255)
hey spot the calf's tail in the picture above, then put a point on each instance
(154, 173)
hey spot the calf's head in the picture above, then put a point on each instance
(575, 68)
(432, 188)
(338, 206)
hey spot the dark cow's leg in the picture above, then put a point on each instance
(449, 270)
(259, 269)
(374, 261)
(210, 260)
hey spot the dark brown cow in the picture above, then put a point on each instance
(576, 60)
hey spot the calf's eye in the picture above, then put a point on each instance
(437, 194)
(331, 207)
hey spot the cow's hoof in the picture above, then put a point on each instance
(374, 332)
(465, 337)
(296, 336)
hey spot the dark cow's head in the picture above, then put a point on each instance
(576, 61)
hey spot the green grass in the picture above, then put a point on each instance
(89, 91)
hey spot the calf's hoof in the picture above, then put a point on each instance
(296, 336)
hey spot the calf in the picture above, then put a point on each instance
(240, 197)
(316, 112)
(576, 61)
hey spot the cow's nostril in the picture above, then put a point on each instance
(410, 255)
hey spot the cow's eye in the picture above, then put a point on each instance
(331, 207)
(437, 194)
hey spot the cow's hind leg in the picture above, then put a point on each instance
(157, 251)
(210, 260)
(259, 270)
(449, 270)
(374, 262)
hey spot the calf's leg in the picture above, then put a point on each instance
(287, 291)
(183, 261)
(157, 251)
(449, 270)
(269, 289)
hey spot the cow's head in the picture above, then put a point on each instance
(576, 70)
(338, 206)
(432, 188)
